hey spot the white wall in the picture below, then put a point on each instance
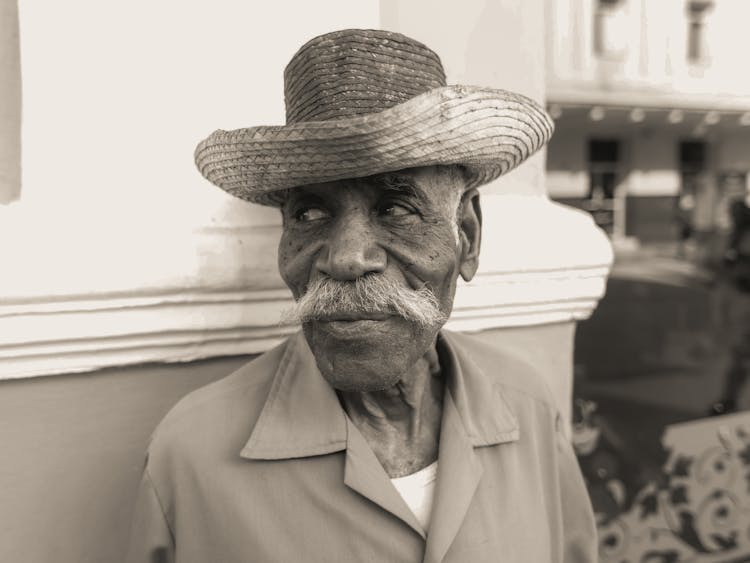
(117, 95)
(118, 251)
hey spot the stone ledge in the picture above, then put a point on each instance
(73, 336)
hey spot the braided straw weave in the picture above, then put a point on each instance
(363, 102)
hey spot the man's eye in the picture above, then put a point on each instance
(396, 210)
(310, 214)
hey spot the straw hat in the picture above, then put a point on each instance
(363, 102)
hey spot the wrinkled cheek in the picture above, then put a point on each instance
(439, 272)
(286, 270)
(295, 262)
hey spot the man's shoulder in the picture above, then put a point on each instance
(226, 408)
(508, 369)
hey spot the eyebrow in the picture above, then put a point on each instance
(400, 184)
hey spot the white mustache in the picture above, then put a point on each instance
(327, 298)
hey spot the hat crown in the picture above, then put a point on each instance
(356, 71)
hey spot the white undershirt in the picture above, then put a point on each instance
(418, 491)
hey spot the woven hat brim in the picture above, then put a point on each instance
(488, 131)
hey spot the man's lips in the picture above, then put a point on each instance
(355, 326)
(354, 317)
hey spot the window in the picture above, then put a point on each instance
(610, 28)
(692, 166)
(692, 156)
(697, 11)
(692, 159)
(603, 164)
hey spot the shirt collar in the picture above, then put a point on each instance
(302, 416)
(480, 402)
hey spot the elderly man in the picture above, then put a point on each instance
(372, 435)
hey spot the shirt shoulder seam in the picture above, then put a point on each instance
(151, 483)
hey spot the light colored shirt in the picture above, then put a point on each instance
(418, 491)
(265, 466)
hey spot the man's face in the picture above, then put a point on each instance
(407, 227)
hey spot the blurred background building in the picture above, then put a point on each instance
(652, 107)
(652, 104)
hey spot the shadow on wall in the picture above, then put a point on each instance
(73, 452)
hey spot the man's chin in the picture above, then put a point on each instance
(366, 355)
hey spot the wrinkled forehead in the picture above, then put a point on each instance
(436, 185)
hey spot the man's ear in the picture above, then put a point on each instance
(469, 233)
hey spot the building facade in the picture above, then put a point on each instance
(652, 106)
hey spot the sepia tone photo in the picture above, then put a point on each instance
(374, 281)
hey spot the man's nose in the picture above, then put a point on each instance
(352, 249)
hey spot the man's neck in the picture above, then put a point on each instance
(402, 424)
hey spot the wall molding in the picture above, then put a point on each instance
(193, 309)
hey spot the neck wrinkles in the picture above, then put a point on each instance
(402, 424)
